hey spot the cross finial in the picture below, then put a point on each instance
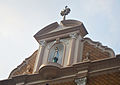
(65, 12)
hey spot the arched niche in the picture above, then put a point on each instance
(56, 53)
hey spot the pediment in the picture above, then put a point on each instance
(65, 27)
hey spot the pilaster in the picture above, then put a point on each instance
(73, 37)
(39, 57)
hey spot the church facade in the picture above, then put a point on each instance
(66, 57)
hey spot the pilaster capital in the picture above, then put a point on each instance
(81, 81)
(43, 43)
(73, 35)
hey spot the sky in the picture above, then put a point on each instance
(21, 19)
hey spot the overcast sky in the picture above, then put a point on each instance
(21, 19)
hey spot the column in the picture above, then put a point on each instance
(39, 57)
(81, 81)
(72, 48)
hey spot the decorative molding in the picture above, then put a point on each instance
(81, 81)
(65, 41)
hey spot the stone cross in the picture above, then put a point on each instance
(65, 12)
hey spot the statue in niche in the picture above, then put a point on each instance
(56, 55)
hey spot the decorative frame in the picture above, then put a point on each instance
(51, 45)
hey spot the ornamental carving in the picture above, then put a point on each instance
(81, 81)
(73, 35)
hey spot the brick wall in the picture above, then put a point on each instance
(95, 53)
(105, 79)
(28, 64)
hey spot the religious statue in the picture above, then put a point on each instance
(56, 55)
(65, 12)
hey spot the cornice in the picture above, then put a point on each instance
(57, 30)
(100, 46)
(88, 68)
